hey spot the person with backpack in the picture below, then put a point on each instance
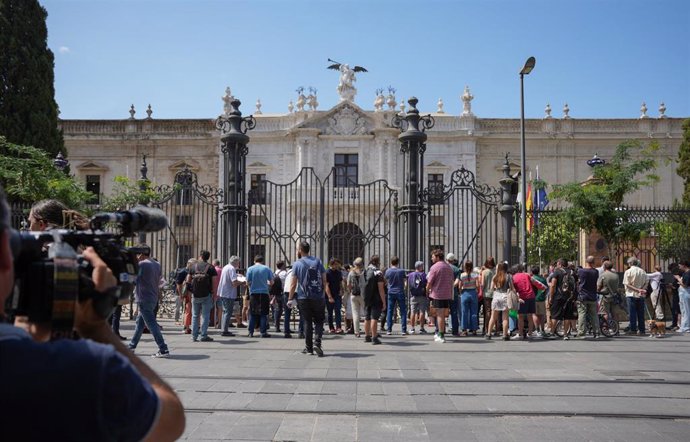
(561, 299)
(395, 278)
(310, 283)
(374, 299)
(355, 283)
(259, 282)
(419, 303)
(200, 282)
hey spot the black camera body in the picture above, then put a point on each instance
(50, 277)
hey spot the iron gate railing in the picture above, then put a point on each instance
(462, 218)
(337, 216)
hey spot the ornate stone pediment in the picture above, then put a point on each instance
(93, 166)
(344, 119)
(184, 164)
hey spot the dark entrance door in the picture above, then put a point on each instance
(345, 242)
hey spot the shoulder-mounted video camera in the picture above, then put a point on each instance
(50, 275)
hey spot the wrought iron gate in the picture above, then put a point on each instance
(192, 211)
(337, 216)
(463, 217)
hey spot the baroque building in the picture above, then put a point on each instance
(362, 145)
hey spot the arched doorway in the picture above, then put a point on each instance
(345, 242)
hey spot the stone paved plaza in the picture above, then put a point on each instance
(409, 388)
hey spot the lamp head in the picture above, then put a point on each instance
(529, 65)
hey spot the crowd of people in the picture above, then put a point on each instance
(450, 299)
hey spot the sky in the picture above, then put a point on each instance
(602, 57)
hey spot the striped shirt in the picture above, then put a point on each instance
(440, 281)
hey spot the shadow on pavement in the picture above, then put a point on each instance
(349, 355)
(188, 357)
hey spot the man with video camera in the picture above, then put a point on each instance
(88, 389)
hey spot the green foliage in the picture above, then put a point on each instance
(683, 169)
(128, 193)
(673, 234)
(28, 174)
(552, 237)
(596, 204)
(28, 112)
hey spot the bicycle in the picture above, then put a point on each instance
(608, 328)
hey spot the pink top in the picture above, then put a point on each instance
(440, 281)
(523, 283)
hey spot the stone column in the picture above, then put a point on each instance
(233, 144)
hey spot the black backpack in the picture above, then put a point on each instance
(277, 287)
(371, 289)
(201, 281)
(314, 284)
(568, 284)
(417, 288)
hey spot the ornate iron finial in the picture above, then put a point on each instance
(233, 127)
(258, 107)
(131, 112)
(60, 162)
(439, 107)
(596, 161)
(662, 110)
(506, 166)
(547, 112)
(411, 124)
(643, 111)
(566, 112)
(149, 111)
(467, 98)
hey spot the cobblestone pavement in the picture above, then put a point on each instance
(627, 388)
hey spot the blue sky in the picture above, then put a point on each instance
(604, 58)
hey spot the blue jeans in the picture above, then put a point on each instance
(228, 305)
(398, 298)
(286, 313)
(336, 307)
(455, 312)
(470, 310)
(684, 299)
(636, 309)
(146, 317)
(203, 306)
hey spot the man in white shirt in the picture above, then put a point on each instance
(635, 283)
(655, 284)
(227, 290)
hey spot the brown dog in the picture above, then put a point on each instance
(657, 329)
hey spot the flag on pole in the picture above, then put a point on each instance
(529, 206)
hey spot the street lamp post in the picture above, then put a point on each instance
(60, 162)
(529, 65)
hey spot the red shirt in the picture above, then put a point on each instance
(440, 281)
(523, 283)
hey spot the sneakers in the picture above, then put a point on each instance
(403, 333)
(331, 331)
(338, 331)
(506, 338)
(306, 351)
(318, 351)
(265, 335)
(487, 337)
(437, 337)
(566, 338)
(161, 354)
(206, 339)
(367, 338)
(388, 333)
(227, 333)
(411, 331)
(376, 341)
(422, 331)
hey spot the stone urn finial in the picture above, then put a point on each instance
(132, 112)
(566, 112)
(662, 110)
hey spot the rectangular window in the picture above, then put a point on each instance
(183, 220)
(346, 169)
(93, 185)
(184, 254)
(257, 188)
(435, 186)
(256, 249)
(436, 221)
(183, 196)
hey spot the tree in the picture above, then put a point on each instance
(673, 234)
(684, 161)
(28, 174)
(551, 239)
(596, 205)
(127, 193)
(28, 111)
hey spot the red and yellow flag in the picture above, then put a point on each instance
(529, 206)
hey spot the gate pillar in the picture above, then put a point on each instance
(233, 213)
(507, 208)
(413, 145)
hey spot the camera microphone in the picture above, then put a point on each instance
(138, 219)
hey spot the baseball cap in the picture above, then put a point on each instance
(450, 257)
